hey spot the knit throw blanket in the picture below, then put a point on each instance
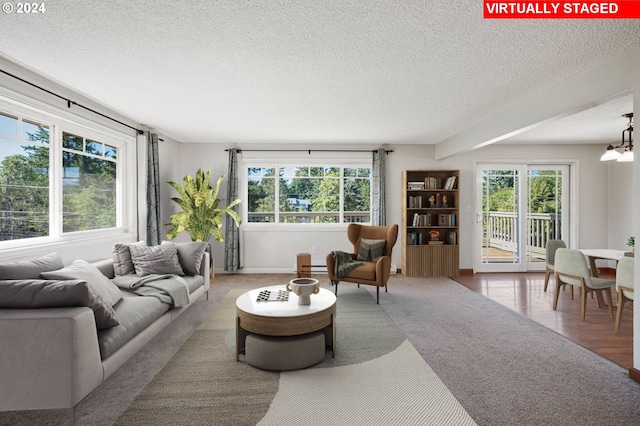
(170, 289)
(343, 263)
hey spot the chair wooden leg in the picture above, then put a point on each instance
(335, 283)
(557, 293)
(377, 295)
(583, 302)
(620, 308)
(609, 304)
(546, 278)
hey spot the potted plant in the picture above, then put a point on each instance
(631, 242)
(201, 215)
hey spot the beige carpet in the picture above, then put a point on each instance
(384, 382)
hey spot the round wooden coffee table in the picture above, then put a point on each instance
(284, 318)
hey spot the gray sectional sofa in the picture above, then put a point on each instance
(61, 335)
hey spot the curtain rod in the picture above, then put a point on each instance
(387, 151)
(70, 102)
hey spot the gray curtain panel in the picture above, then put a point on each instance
(378, 177)
(153, 190)
(231, 231)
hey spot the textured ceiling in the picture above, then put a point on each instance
(308, 71)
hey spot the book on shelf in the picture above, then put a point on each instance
(421, 219)
(447, 219)
(416, 185)
(452, 238)
(414, 238)
(415, 201)
(432, 182)
(450, 183)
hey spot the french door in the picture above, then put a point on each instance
(519, 207)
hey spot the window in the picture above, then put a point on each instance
(24, 178)
(88, 184)
(58, 177)
(309, 194)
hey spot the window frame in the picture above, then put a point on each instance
(59, 122)
(357, 161)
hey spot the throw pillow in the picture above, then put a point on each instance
(162, 259)
(122, 264)
(30, 269)
(190, 255)
(371, 250)
(82, 270)
(25, 294)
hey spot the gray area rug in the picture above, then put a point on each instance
(504, 368)
(375, 366)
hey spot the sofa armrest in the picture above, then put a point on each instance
(205, 270)
(49, 358)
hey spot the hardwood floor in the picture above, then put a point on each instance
(524, 293)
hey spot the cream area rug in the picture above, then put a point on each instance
(376, 378)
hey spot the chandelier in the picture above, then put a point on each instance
(612, 152)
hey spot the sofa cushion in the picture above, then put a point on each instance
(24, 294)
(371, 250)
(30, 269)
(190, 255)
(162, 259)
(193, 282)
(82, 270)
(122, 263)
(135, 314)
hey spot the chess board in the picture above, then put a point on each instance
(273, 296)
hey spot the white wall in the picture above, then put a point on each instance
(274, 250)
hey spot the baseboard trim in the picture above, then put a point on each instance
(634, 374)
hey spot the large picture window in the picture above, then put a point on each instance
(309, 194)
(57, 178)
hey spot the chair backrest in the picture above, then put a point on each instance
(624, 275)
(356, 231)
(571, 262)
(550, 250)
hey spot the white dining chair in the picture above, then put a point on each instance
(550, 255)
(624, 285)
(571, 269)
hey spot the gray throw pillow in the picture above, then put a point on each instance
(162, 259)
(371, 250)
(25, 294)
(30, 269)
(82, 270)
(122, 264)
(190, 255)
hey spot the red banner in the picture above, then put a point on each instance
(623, 9)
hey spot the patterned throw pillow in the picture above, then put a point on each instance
(122, 264)
(82, 270)
(371, 250)
(162, 259)
(190, 255)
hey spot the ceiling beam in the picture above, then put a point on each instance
(583, 91)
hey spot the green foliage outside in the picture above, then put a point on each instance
(89, 190)
(319, 186)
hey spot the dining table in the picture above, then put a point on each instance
(601, 254)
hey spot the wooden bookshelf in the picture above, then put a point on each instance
(430, 223)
